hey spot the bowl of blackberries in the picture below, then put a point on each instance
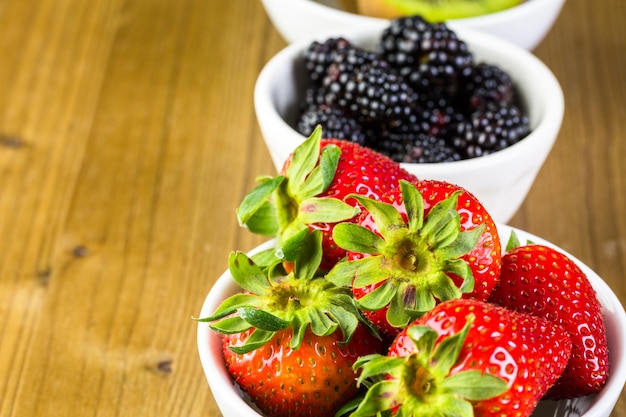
(456, 105)
(523, 22)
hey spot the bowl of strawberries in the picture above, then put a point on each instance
(378, 293)
(454, 105)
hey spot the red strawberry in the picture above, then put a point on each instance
(420, 244)
(291, 339)
(314, 380)
(466, 357)
(544, 282)
(308, 193)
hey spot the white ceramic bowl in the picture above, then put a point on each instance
(525, 25)
(500, 180)
(231, 403)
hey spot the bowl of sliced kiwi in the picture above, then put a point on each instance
(523, 22)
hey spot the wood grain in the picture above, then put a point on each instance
(128, 138)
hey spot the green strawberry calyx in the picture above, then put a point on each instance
(411, 262)
(283, 206)
(272, 300)
(425, 382)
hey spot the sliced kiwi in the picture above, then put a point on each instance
(442, 10)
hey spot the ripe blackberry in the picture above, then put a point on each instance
(318, 56)
(375, 93)
(489, 130)
(313, 96)
(416, 148)
(345, 63)
(429, 55)
(335, 124)
(486, 83)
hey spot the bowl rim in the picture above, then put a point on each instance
(601, 403)
(547, 125)
(526, 7)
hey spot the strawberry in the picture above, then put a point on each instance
(465, 358)
(290, 339)
(420, 244)
(544, 282)
(316, 379)
(307, 194)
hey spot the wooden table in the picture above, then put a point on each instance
(127, 140)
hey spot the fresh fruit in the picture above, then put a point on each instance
(432, 10)
(289, 340)
(314, 380)
(488, 130)
(465, 358)
(419, 98)
(370, 259)
(430, 56)
(414, 247)
(544, 282)
(308, 193)
(336, 124)
(485, 84)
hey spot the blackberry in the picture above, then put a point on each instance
(489, 130)
(314, 96)
(486, 83)
(345, 63)
(318, 56)
(375, 93)
(416, 148)
(335, 124)
(442, 71)
(429, 55)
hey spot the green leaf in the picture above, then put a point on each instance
(310, 257)
(370, 270)
(266, 258)
(513, 241)
(321, 324)
(444, 288)
(357, 238)
(424, 300)
(322, 175)
(424, 338)
(462, 269)
(447, 352)
(264, 221)
(291, 244)
(247, 274)
(397, 314)
(456, 407)
(474, 385)
(379, 297)
(342, 274)
(303, 160)
(386, 216)
(230, 305)
(329, 160)
(464, 243)
(438, 221)
(346, 320)
(257, 198)
(413, 204)
(374, 365)
(299, 325)
(325, 210)
(230, 325)
(380, 397)
(262, 319)
(256, 339)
